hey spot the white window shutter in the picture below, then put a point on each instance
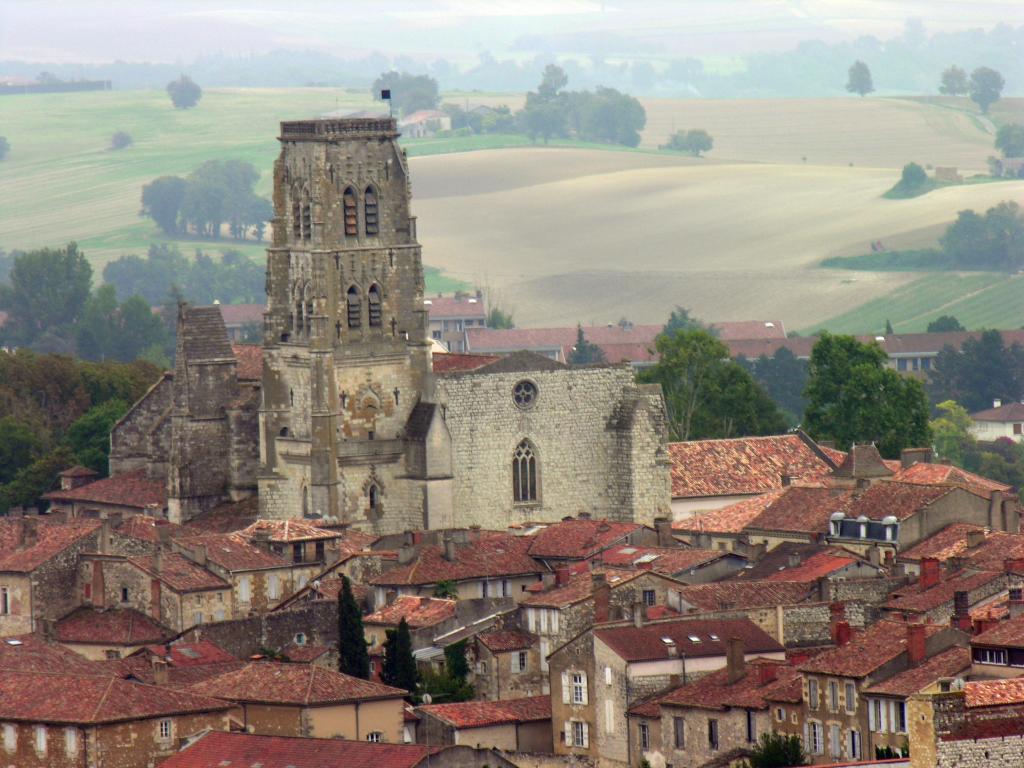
(568, 733)
(565, 687)
(586, 687)
(586, 736)
(871, 715)
(554, 621)
(531, 619)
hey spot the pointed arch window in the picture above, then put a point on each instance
(374, 300)
(524, 473)
(373, 496)
(370, 211)
(353, 307)
(296, 215)
(348, 201)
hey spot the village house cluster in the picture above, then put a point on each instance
(619, 599)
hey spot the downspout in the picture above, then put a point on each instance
(497, 673)
(357, 737)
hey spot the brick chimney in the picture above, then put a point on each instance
(975, 537)
(160, 671)
(562, 575)
(930, 573)
(735, 661)
(1014, 565)
(962, 612)
(639, 613)
(1015, 604)
(767, 673)
(841, 633)
(916, 646)
(602, 596)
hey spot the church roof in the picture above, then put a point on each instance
(202, 335)
(523, 361)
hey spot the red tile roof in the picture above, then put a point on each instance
(30, 653)
(179, 573)
(899, 500)
(188, 663)
(578, 539)
(233, 552)
(646, 643)
(924, 473)
(239, 314)
(454, 307)
(729, 519)
(479, 714)
(714, 691)
(293, 684)
(503, 640)
(1004, 413)
(993, 693)
(228, 517)
(455, 362)
(145, 528)
(418, 612)
(951, 541)
(949, 663)
(741, 595)
(490, 555)
(665, 560)
(867, 651)
(250, 361)
(51, 539)
(1006, 634)
(288, 531)
(801, 510)
(132, 489)
(88, 700)
(187, 654)
(353, 541)
(113, 626)
(78, 471)
(997, 548)
(814, 567)
(304, 654)
(913, 600)
(244, 750)
(580, 587)
(741, 466)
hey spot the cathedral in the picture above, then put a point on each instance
(345, 414)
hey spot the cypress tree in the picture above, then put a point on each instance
(399, 667)
(353, 658)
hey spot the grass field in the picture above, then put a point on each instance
(563, 233)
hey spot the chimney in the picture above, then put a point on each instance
(390, 596)
(1015, 604)
(160, 669)
(767, 673)
(48, 629)
(639, 611)
(158, 560)
(99, 594)
(974, 538)
(547, 580)
(163, 536)
(788, 476)
(602, 596)
(663, 525)
(841, 633)
(997, 403)
(261, 539)
(794, 560)
(734, 660)
(916, 645)
(406, 554)
(672, 649)
(449, 549)
(995, 511)
(875, 555)
(199, 554)
(911, 456)
(29, 532)
(929, 573)
(1014, 565)
(961, 612)
(562, 575)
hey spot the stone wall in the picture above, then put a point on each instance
(142, 437)
(1003, 752)
(317, 620)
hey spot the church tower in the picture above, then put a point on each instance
(346, 375)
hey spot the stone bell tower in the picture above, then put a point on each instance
(346, 376)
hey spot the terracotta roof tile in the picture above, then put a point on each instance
(179, 573)
(478, 714)
(578, 539)
(491, 555)
(924, 473)
(233, 552)
(899, 500)
(187, 654)
(293, 684)
(78, 471)
(741, 595)
(714, 691)
(915, 601)
(814, 567)
(188, 663)
(730, 519)
(866, 651)
(86, 700)
(950, 663)
(580, 587)
(951, 541)
(997, 548)
(250, 361)
(51, 538)
(992, 693)
(457, 362)
(864, 461)
(132, 489)
(503, 640)
(665, 560)
(146, 527)
(304, 654)
(1004, 413)
(225, 518)
(1006, 634)
(454, 306)
(30, 653)
(114, 626)
(239, 314)
(744, 465)
(287, 531)
(243, 750)
(646, 643)
(801, 510)
(418, 612)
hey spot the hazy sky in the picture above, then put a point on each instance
(180, 30)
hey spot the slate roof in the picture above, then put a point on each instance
(503, 640)
(202, 334)
(1005, 634)
(491, 555)
(457, 362)
(729, 519)
(250, 361)
(52, 538)
(914, 601)
(418, 424)
(801, 510)
(578, 539)
(218, 749)
(90, 699)
(645, 643)
(580, 587)
(113, 626)
(1008, 412)
(179, 573)
(951, 541)
(132, 489)
(418, 612)
(714, 691)
(479, 714)
(233, 552)
(741, 595)
(880, 643)
(288, 531)
(742, 466)
(293, 684)
(665, 560)
(899, 500)
(924, 473)
(950, 663)
(993, 693)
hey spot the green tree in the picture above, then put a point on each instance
(983, 369)
(161, 201)
(584, 352)
(447, 589)
(777, 750)
(353, 658)
(610, 116)
(184, 92)
(455, 663)
(409, 93)
(993, 241)
(89, 436)
(496, 318)
(1010, 140)
(944, 324)
(399, 667)
(31, 482)
(19, 447)
(853, 398)
(545, 114)
(951, 432)
(681, 320)
(120, 140)
(47, 291)
(986, 87)
(783, 376)
(913, 176)
(954, 81)
(859, 79)
(5, 147)
(108, 330)
(694, 141)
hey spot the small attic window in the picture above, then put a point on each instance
(713, 636)
(668, 641)
(694, 639)
(13, 642)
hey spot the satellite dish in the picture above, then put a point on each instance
(427, 698)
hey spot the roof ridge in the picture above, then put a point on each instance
(309, 686)
(103, 698)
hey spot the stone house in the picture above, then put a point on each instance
(131, 493)
(108, 634)
(1001, 420)
(487, 564)
(688, 565)
(508, 665)
(81, 716)
(167, 586)
(998, 650)
(835, 719)
(582, 538)
(513, 725)
(450, 316)
(38, 567)
(598, 675)
(426, 617)
(307, 700)
(936, 597)
(299, 541)
(179, 664)
(723, 713)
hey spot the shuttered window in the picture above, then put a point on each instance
(351, 214)
(375, 306)
(354, 310)
(370, 210)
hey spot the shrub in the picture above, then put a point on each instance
(120, 140)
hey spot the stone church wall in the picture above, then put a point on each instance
(142, 437)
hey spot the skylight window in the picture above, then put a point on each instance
(714, 637)
(627, 550)
(650, 557)
(694, 639)
(668, 641)
(14, 642)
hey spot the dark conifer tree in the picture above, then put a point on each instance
(353, 658)
(399, 667)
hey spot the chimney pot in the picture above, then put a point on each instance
(639, 614)
(160, 671)
(974, 538)
(930, 573)
(562, 575)
(997, 403)
(916, 645)
(794, 559)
